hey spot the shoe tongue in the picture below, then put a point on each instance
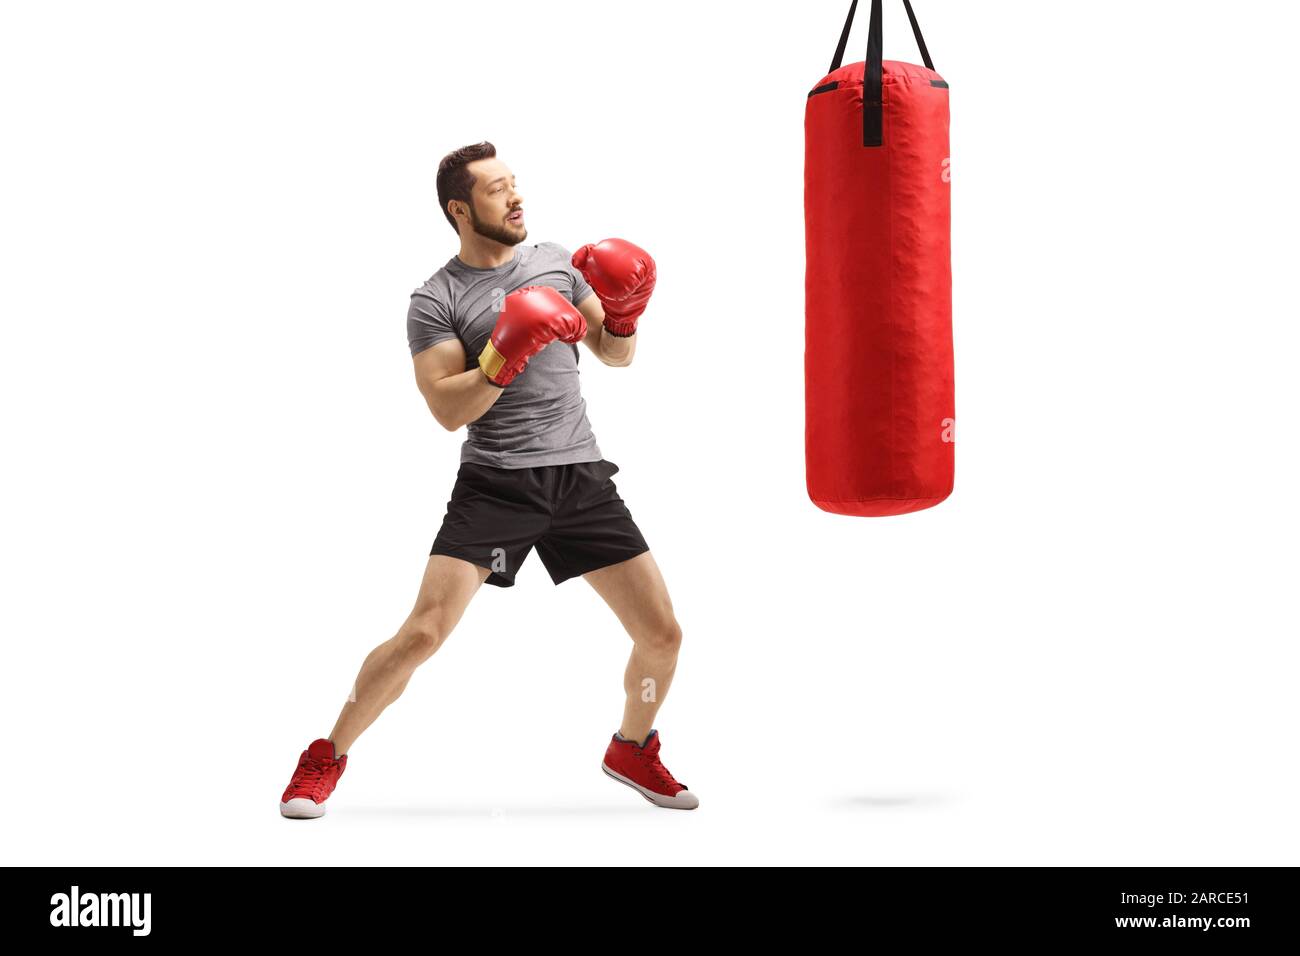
(322, 749)
(652, 741)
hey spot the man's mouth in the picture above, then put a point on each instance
(516, 217)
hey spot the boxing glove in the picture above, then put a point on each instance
(623, 276)
(531, 318)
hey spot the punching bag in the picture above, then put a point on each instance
(878, 364)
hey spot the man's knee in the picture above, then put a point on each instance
(423, 634)
(662, 635)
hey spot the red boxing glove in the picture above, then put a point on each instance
(531, 318)
(623, 276)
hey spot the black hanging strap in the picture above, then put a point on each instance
(916, 32)
(872, 111)
(844, 38)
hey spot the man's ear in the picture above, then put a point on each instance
(458, 209)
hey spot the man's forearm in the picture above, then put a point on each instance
(616, 349)
(459, 399)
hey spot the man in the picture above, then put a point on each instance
(493, 336)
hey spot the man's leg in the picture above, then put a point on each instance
(636, 593)
(448, 585)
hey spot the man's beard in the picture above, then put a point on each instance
(500, 232)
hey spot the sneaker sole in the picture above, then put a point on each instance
(300, 808)
(657, 799)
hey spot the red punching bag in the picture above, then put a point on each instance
(878, 378)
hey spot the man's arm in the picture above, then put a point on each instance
(456, 397)
(611, 349)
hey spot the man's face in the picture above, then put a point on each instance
(496, 209)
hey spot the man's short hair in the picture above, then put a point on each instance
(454, 178)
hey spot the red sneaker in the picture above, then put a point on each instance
(639, 767)
(317, 774)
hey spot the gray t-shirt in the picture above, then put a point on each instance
(540, 418)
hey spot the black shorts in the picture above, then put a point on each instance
(572, 513)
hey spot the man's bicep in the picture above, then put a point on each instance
(438, 362)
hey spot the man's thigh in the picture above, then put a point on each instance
(447, 588)
(636, 592)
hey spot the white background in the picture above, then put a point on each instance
(220, 483)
